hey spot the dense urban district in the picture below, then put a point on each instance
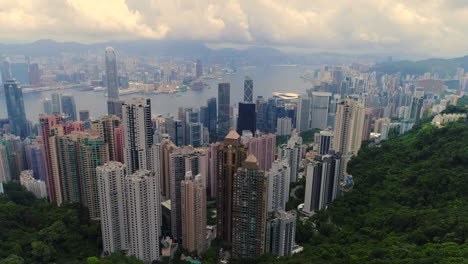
(367, 165)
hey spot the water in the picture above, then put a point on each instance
(266, 79)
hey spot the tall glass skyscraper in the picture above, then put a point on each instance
(111, 74)
(15, 108)
(248, 90)
(224, 98)
(69, 106)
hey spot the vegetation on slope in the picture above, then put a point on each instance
(444, 67)
(409, 205)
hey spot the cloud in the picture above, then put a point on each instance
(436, 27)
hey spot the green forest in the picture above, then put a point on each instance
(409, 205)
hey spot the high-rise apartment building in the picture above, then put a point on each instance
(292, 153)
(313, 111)
(193, 208)
(278, 185)
(143, 215)
(249, 204)
(111, 183)
(230, 156)
(283, 126)
(325, 141)
(181, 161)
(15, 108)
(263, 147)
(224, 102)
(281, 233)
(323, 177)
(84, 115)
(4, 166)
(138, 134)
(37, 187)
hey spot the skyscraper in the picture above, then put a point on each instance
(144, 215)
(193, 208)
(319, 110)
(278, 185)
(69, 106)
(15, 108)
(249, 204)
(47, 106)
(56, 103)
(212, 118)
(281, 233)
(292, 153)
(322, 182)
(37, 187)
(84, 115)
(325, 142)
(113, 206)
(349, 126)
(46, 124)
(4, 166)
(34, 74)
(199, 69)
(111, 74)
(224, 99)
(247, 118)
(263, 147)
(248, 90)
(138, 134)
(230, 156)
(181, 161)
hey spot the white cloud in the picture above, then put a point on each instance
(436, 27)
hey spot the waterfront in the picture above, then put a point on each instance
(267, 80)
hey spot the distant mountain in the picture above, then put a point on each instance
(189, 50)
(444, 67)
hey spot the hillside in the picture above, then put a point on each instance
(444, 67)
(409, 205)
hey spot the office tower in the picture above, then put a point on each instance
(349, 125)
(224, 91)
(6, 70)
(233, 113)
(266, 115)
(263, 147)
(303, 113)
(4, 166)
(35, 158)
(193, 208)
(204, 116)
(47, 106)
(416, 107)
(319, 110)
(46, 124)
(113, 206)
(249, 206)
(212, 118)
(325, 141)
(322, 181)
(195, 132)
(84, 115)
(281, 233)
(56, 103)
(181, 161)
(174, 129)
(69, 106)
(37, 187)
(292, 153)
(34, 74)
(114, 107)
(247, 118)
(20, 71)
(143, 215)
(278, 185)
(111, 74)
(138, 134)
(15, 108)
(230, 156)
(248, 90)
(199, 69)
(284, 126)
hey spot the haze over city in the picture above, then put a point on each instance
(233, 132)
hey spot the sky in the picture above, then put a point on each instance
(437, 28)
